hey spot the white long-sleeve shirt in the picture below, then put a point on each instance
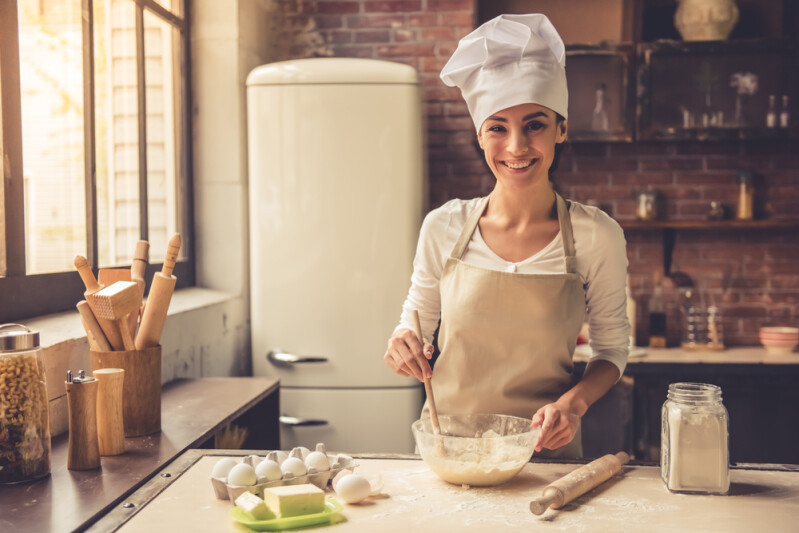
(600, 248)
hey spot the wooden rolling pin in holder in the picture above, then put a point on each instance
(161, 289)
(578, 482)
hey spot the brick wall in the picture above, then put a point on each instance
(764, 264)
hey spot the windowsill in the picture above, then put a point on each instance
(63, 327)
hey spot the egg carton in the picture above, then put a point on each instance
(338, 463)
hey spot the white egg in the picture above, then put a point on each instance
(268, 470)
(339, 476)
(294, 467)
(222, 467)
(241, 474)
(317, 461)
(353, 488)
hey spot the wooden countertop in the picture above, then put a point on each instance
(191, 411)
(739, 355)
(418, 501)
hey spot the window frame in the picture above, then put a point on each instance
(24, 295)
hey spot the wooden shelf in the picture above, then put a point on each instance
(777, 223)
(670, 228)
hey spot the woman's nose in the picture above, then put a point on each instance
(518, 143)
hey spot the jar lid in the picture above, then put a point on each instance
(15, 337)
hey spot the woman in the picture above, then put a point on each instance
(511, 276)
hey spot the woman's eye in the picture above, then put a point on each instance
(535, 125)
(496, 129)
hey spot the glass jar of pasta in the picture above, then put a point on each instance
(24, 418)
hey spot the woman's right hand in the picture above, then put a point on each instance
(407, 357)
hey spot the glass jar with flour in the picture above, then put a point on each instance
(694, 449)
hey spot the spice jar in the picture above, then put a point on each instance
(646, 204)
(24, 418)
(694, 449)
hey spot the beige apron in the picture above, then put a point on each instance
(506, 338)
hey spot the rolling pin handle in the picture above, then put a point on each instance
(550, 496)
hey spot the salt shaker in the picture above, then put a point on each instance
(694, 446)
(110, 426)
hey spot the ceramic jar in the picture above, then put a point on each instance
(705, 20)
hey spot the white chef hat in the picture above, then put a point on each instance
(510, 60)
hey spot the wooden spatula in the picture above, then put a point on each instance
(428, 389)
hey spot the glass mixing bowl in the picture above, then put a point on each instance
(476, 449)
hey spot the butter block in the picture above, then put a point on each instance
(254, 506)
(295, 500)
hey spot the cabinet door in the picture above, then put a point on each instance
(350, 420)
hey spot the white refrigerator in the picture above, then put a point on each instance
(336, 181)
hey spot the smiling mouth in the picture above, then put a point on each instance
(519, 164)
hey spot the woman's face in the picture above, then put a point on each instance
(519, 143)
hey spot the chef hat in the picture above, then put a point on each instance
(510, 60)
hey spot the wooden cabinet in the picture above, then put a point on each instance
(632, 78)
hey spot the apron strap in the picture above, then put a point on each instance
(564, 220)
(468, 229)
(567, 235)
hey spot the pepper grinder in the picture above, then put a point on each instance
(84, 451)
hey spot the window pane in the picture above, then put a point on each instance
(117, 131)
(175, 6)
(51, 82)
(161, 46)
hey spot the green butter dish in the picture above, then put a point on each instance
(331, 512)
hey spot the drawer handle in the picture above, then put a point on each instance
(279, 358)
(294, 421)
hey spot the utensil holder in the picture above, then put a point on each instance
(141, 397)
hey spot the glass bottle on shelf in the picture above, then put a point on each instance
(785, 115)
(771, 115)
(745, 196)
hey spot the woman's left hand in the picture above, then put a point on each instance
(559, 423)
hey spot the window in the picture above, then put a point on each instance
(95, 143)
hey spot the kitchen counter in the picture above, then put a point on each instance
(191, 412)
(416, 500)
(735, 359)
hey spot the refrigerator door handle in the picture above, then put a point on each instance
(280, 358)
(296, 422)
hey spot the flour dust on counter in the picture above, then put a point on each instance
(415, 499)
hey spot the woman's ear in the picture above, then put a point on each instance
(563, 128)
(480, 139)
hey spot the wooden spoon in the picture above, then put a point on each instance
(428, 387)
